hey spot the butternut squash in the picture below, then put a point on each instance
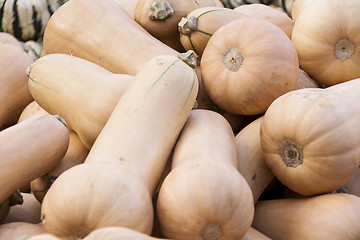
(327, 216)
(161, 18)
(201, 23)
(252, 165)
(129, 6)
(328, 45)
(130, 153)
(43, 236)
(310, 156)
(28, 211)
(253, 234)
(99, 31)
(115, 233)
(14, 91)
(19, 230)
(7, 38)
(352, 186)
(299, 6)
(26, 142)
(75, 89)
(245, 70)
(204, 196)
(265, 12)
(14, 199)
(305, 81)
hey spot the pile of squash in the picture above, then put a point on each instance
(147, 119)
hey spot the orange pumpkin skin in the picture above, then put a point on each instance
(312, 157)
(14, 91)
(23, 143)
(119, 53)
(245, 70)
(280, 19)
(331, 42)
(204, 161)
(327, 216)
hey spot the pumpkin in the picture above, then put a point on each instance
(130, 154)
(28, 211)
(204, 196)
(75, 88)
(14, 91)
(252, 165)
(245, 70)
(26, 19)
(19, 230)
(327, 216)
(200, 24)
(309, 156)
(261, 11)
(106, 40)
(22, 150)
(115, 233)
(328, 46)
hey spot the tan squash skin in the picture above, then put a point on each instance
(7, 38)
(28, 211)
(251, 160)
(331, 42)
(24, 143)
(75, 154)
(18, 230)
(352, 186)
(115, 233)
(44, 236)
(328, 216)
(76, 89)
(253, 234)
(133, 148)
(129, 6)
(201, 23)
(244, 73)
(309, 156)
(299, 6)
(14, 91)
(204, 197)
(106, 41)
(161, 18)
(262, 11)
(305, 81)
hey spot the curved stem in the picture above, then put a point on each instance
(160, 11)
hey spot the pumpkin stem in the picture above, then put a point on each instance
(160, 11)
(233, 59)
(344, 49)
(187, 25)
(291, 154)
(212, 231)
(189, 57)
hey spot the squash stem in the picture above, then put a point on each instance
(159, 11)
(187, 25)
(344, 49)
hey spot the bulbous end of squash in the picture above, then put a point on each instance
(212, 231)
